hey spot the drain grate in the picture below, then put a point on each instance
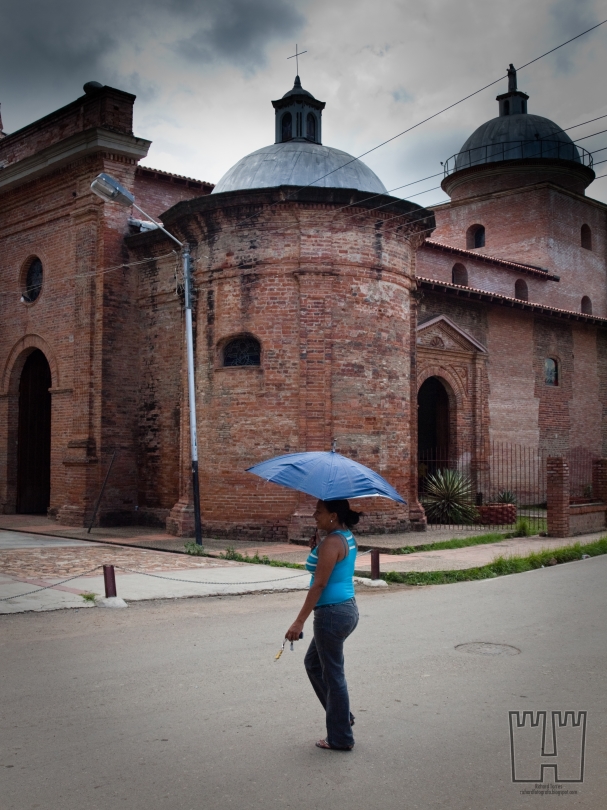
(487, 648)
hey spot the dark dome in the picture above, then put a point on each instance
(515, 137)
(297, 90)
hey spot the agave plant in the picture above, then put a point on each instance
(448, 498)
(506, 496)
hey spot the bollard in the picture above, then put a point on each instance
(109, 579)
(374, 563)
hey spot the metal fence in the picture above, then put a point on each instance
(517, 150)
(580, 474)
(496, 491)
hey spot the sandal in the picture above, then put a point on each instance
(327, 746)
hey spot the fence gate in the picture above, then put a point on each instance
(497, 491)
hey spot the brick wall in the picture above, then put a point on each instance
(521, 408)
(557, 479)
(331, 307)
(157, 191)
(107, 108)
(539, 226)
(86, 319)
(435, 264)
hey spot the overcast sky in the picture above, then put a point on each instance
(205, 71)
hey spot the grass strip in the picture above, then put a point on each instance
(500, 566)
(231, 554)
(458, 542)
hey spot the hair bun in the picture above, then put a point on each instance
(353, 517)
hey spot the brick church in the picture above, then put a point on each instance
(325, 309)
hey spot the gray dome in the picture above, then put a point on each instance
(299, 163)
(514, 137)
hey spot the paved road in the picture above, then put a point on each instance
(179, 704)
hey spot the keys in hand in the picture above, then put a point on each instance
(282, 649)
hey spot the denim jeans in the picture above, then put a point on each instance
(324, 663)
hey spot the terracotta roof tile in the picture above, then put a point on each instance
(523, 268)
(504, 300)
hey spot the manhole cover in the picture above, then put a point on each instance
(486, 648)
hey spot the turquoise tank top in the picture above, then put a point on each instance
(340, 586)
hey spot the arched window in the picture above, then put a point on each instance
(586, 236)
(459, 275)
(311, 127)
(242, 351)
(521, 290)
(32, 280)
(551, 371)
(586, 305)
(475, 237)
(287, 127)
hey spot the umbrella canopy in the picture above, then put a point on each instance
(325, 475)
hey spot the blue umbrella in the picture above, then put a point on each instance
(325, 475)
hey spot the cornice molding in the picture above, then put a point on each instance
(80, 145)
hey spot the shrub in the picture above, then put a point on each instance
(194, 549)
(448, 498)
(522, 528)
(506, 496)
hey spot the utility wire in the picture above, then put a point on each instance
(450, 106)
(389, 140)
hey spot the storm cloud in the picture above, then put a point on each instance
(46, 48)
(205, 71)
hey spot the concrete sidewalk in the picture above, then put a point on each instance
(31, 562)
(155, 538)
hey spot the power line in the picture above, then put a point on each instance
(434, 115)
(384, 143)
(366, 211)
(455, 104)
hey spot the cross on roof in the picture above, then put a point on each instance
(296, 56)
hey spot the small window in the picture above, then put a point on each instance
(242, 351)
(32, 282)
(586, 235)
(459, 275)
(506, 107)
(586, 305)
(521, 291)
(311, 127)
(551, 371)
(287, 127)
(475, 237)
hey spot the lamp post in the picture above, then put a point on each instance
(111, 190)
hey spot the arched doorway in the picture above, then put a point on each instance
(433, 418)
(34, 436)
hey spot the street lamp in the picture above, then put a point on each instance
(111, 190)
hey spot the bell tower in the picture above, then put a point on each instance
(298, 116)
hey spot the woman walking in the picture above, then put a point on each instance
(331, 597)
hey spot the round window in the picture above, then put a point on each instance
(33, 281)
